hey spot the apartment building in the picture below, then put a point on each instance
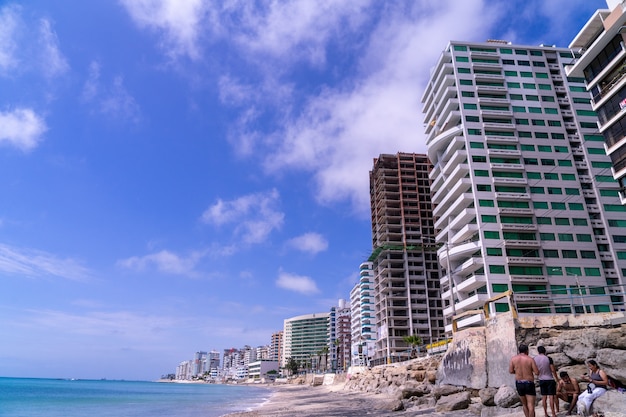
(304, 337)
(407, 298)
(525, 200)
(602, 63)
(276, 346)
(340, 335)
(362, 320)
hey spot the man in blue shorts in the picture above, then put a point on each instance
(525, 370)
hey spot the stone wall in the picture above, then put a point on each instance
(473, 373)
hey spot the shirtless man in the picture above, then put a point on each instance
(568, 391)
(525, 369)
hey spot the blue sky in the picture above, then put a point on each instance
(183, 175)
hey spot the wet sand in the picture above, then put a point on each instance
(320, 401)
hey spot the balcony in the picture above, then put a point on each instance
(505, 126)
(520, 260)
(522, 244)
(534, 279)
(516, 211)
(471, 283)
(514, 196)
(518, 226)
(531, 297)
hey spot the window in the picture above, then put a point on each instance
(541, 75)
(483, 187)
(508, 62)
(579, 222)
(537, 190)
(479, 158)
(555, 191)
(526, 74)
(529, 86)
(488, 218)
(550, 253)
(561, 149)
(513, 85)
(551, 176)
(477, 145)
(491, 234)
(541, 135)
(467, 94)
(537, 122)
(521, 52)
(568, 177)
(554, 270)
(460, 48)
(576, 206)
(554, 123)
(557, 135)
(519, 109)
(539, 64)
(464, 71)
(531, 161)
(565, 163)
(576, 89)
(558, 206)
(550, 110)
(506, 51)
(540, 205)
(486, 203)
(533, 175)
(532, 98)
(572, 191)
(544, 148)
(523, 63)
(510, 73)
(500, 287)
(545, 87)
(465, 82)
(604, 178)
(583, 237)
(522, 122)
(561, 221)
(472, 119)
(544, 220)
(527, 147)
(548, 99)
(496, 269)
(534, 109)
(587, 254)
(481, 173)
(462, 59)
(469, 106)
(566, 237)
(516, 97)
(547, 162)
(494, 251)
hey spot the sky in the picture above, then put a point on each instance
(183, 175)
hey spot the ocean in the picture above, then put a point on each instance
(31, 397)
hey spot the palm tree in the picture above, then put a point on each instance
(337, 344)
(324, 352)
(413, 341)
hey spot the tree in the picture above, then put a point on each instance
(292, 366)
(413, 341)
(325, 351)
(337, 344)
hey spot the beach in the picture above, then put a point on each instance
(319, 401)
(334, 401)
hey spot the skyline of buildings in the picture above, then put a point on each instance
(522, 189)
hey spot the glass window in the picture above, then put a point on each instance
(491, 234)
(486, 203)
(558, 206)
(566, 237)
(470, 106)
(462, 59)
(576, 206)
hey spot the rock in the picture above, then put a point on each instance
(443, 390)
(506, 397)
(486, 395)
(612, 361)
(417, 391)
(499, 411)
(394, 405)
(612, 401)
(458, 401)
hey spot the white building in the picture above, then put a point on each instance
(363, 325)
(303, 337)
(263, 370)
(525, 199)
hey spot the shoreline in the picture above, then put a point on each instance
(319, 401)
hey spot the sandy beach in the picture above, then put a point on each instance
(319, 401)
(333, 401)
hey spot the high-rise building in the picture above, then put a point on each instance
(340, 335)
(304, 337)
(602, 64)
(276, 346)
(363, 318)
(406, 273)
(214, 360)
(525, 200)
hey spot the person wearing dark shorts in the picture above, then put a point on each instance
(547, 380)
(568, 391)
(525, 388)
(525, 370)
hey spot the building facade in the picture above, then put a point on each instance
(340, 335)
(406, 273)
(276, 347)
(304, 337)
(362, 321)
(525, 200)
(602, 64)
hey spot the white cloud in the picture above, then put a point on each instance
(21, 128)
(114, 101)
(9, 22)
(297, 283)
(255, 215)
(341, 130)
(165, 262)
(309, 242)
(52, 61)
(179, 23)
(34, 263)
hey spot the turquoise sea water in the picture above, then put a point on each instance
(26, 397)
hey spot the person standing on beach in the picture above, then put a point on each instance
(525, 369)
(547, 380)
(568, 391)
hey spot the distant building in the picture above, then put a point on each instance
(362, 322)
(263, 370)
(340, 335)
(276, 346)
(303, 337)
